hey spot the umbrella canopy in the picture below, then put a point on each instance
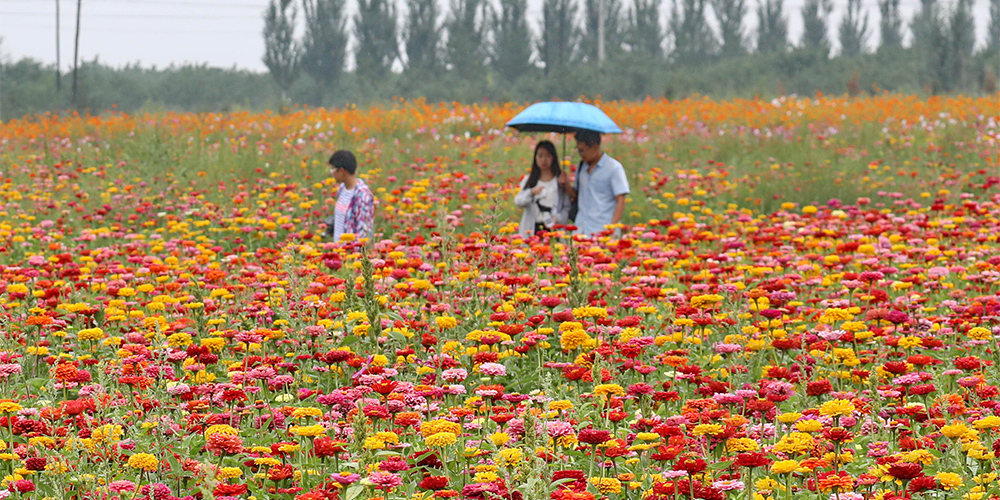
(563, 117)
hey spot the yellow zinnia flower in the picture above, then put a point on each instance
(143, 461)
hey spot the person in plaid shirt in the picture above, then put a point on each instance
(355, 208)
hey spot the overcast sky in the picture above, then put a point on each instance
(227, 33)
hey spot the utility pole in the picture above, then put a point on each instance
(58, 65)
(600, 33)
(76, 49)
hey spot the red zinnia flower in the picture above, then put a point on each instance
(578, 483)
(818, 387)
(693, 465)
(593, 436)
(968, 363)
(434, 483)
(922, 483)
(905, 470)
(753, 459)
(224, 443)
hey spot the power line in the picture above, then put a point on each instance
(151, 32)
(132, 16)
(171, 3)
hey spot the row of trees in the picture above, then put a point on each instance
(479, 39)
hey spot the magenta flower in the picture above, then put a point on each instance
(385, 480)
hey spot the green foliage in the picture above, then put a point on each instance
(558, 34)
(961, 40)
(815, 15)
(466, 37)
(422, 36)
(377, 36)
(993, 29)
(28, 87)
(511, 54)
(853, 30)
(730, 14)
(281, 51)
(890, 25)
(324, 45)
(694, 43)
(644, 34)
(930, 42)
(614, 31)
(772, 27)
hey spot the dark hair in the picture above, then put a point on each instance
(344, 159)
(536, 171)
(588, 137)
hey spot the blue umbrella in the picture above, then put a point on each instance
(563, 117)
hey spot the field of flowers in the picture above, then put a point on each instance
(804, 303)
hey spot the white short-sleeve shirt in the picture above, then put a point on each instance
(597, 194)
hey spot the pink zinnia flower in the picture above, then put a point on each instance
(729, 485)
(345, 478)
(122, 486)
(454, 375)
(385, 480)
(492, 369)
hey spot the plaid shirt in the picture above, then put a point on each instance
(361, 211)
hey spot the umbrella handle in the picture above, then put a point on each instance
(563, 151)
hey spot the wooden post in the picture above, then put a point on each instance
(76, 49)
(58, 64)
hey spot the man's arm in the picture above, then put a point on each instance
(566, 185)
(619, 209)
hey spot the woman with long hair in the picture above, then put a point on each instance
(543, 197)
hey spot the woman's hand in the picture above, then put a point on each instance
(537, 190)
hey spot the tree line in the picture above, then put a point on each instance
(319, 55)
(479, 40)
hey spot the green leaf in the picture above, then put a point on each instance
(175, 466)
(721, 465)
(37, 383)
(563, 481)
(350, 340)
(354, 490)
(398, 336)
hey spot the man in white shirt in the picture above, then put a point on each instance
(601, 186)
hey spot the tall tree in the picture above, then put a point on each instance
(961, 41)
(377, 36)
(558, 34)
(281, 51)
(772, 27)
(465, 37)
(694, 42)
(853, 30)
(815, 14)
(511, 54)
(614, 32)
(730, 14)
(422, 36)
(993, 31)
(324, 45)
(890, 25)
(930, 43)
(644, 32)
